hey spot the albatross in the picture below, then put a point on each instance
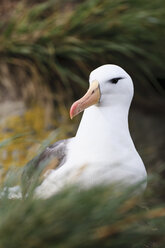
(102, 151)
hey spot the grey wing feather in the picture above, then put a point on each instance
(52, 157)
(57, 151)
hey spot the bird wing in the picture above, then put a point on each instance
(53, 157)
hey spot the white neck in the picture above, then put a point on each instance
(113, 121)
(104, 130)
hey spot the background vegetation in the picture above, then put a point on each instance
(47, 50)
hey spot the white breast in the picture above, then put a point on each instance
(101, 152)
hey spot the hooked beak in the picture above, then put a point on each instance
(90, 98)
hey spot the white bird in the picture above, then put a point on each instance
(102, 150)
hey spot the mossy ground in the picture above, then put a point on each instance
(32, 131)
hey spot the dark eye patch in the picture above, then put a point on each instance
(115, 80)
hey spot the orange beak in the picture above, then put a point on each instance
(90, 98)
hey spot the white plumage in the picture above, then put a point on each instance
(102, 150)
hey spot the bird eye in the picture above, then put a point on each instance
(115, 80)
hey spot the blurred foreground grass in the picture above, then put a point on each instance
(99, 217)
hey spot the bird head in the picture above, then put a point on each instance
(109, 85)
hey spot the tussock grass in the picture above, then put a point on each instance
(98, 217)
(62, 41)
